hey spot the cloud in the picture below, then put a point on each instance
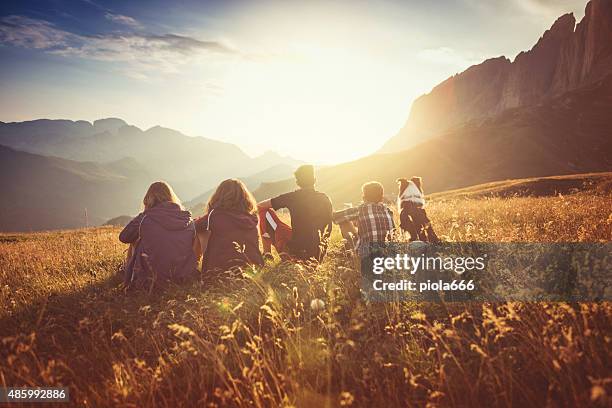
(544, 9)
(121, 19)
(140, 52)
(449, 57)
(31, 33)
(551, 8)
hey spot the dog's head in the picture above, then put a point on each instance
(402, 183)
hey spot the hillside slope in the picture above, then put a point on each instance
(591, 183)
(40, 192)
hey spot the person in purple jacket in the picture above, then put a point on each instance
(228, 233)
(161, 240)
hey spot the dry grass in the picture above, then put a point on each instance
(254, 341)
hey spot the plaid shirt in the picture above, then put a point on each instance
(374, 223)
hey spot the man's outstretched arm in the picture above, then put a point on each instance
(265, 204)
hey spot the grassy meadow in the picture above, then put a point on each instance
(254, 340)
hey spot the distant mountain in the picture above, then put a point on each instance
(566, 57)
(190, 164)
(40, 193)
(120, 221)
(567, 134)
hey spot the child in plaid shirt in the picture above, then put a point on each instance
(373, 218)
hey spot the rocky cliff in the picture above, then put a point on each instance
(566, 57)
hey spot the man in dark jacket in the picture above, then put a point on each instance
(311, 216)
(162, 239)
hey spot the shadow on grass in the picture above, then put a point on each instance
(76, 329)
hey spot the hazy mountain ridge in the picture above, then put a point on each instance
(53, 170)
(566, 57)
(41, 192)
(191, 164)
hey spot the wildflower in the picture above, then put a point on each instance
(418, 316)
(478, 349)
(317, 304)
(179, 329)
(597, 392)
(118, 336)
(346, 399)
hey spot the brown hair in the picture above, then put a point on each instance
(418, 181)
(232, 194)
(372, 192)
(159, 192)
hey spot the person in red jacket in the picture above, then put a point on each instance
(227, 233)
(274, 232)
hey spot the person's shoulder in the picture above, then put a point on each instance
(288, 194)
(140, 217)
(375, 207)
(201, 222)
(322, 196)
(363, 209)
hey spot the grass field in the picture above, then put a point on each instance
(255, 341)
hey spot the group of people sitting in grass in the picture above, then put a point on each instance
(166, 243)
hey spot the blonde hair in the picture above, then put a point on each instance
(159, 192)
(232, 194)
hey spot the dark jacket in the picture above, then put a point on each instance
(234, 239)
(311, 222)
(163, 238)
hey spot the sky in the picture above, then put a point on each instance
(321, 81)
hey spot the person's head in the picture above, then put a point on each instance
(159, 192)
(232, 194)
(305, 176)
(417, 182)
(372, 192)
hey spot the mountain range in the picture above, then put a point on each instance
(548, 112)
(566, 57)
(190, 164)
(66, 174)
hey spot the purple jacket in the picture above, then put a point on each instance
(234, 239)
(163, 236)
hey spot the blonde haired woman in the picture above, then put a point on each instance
(228, 232)
(161, 239)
